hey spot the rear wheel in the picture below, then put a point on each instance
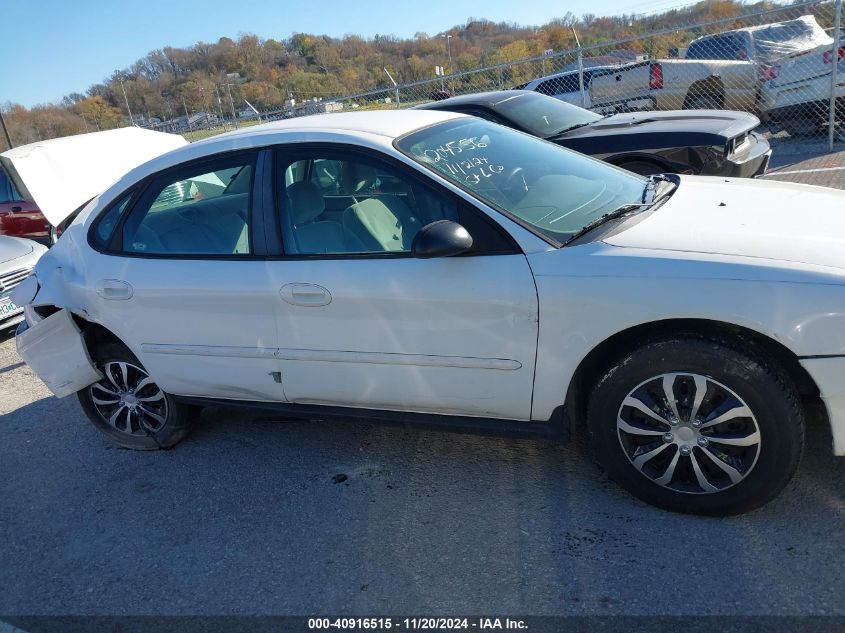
(698, 426)
(129, 407)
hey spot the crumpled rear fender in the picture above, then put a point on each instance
(53, 345)
(55, 350)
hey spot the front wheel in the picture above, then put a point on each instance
(699, 426)
(129, 407)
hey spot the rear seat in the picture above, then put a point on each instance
(215, 226)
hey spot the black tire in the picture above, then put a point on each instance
(145, 433)
(757, 382)
(643, 167)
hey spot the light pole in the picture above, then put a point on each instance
(449, 49)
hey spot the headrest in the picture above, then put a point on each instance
(355, 177)
(306, 202)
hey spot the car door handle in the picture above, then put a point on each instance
(310, 295)
(15, 209)
(114, 289)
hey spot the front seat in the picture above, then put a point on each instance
(310, 235)
(382, 223)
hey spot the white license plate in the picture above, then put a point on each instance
(7, 308)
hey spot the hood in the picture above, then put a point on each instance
(62, 174)
(725, 124)
(748, 218)
(14, 248)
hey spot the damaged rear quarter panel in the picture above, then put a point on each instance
(54, 349)
(53, 346)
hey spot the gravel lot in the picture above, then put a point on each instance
(244, 518)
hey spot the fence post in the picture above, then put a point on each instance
(837, 42)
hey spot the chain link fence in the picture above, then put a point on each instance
(785, 64)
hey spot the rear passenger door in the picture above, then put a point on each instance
(187, 249)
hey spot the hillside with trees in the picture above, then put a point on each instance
(168, 81)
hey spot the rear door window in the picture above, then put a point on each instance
(719, 47)
(200, 210)
(559, 85)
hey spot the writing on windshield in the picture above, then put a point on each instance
(552, 189)
(470, 168)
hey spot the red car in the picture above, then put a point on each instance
(20, 218)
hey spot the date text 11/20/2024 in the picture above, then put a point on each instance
(435, 624)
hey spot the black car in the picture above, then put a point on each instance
(706, 142)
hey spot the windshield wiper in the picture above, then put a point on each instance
(621, 212)
(570, 128)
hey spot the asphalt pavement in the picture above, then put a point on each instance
(255, 515)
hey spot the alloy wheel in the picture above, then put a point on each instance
(688, 433)
(128, 399)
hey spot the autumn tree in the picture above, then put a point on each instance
(97, 112)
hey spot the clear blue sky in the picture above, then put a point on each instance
(49, 48)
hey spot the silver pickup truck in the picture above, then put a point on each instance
(771, 70)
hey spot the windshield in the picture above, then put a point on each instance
(544, 116)
(552, 189)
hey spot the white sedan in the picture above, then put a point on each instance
(432, 267)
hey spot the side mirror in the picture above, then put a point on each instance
(442, 238)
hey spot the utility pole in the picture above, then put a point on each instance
(126, 99)
(5, 131)
(205, 100)
(232, 103)
(187, 116)
(220, 106)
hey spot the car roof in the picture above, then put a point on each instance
(375, 126)
(375, 129)
(487, 99)
(387, 123)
